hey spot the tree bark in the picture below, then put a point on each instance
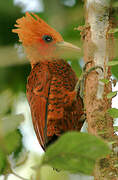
(98, 50)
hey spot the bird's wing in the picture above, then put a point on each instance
(38, 90)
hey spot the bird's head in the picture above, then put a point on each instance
(41, 42)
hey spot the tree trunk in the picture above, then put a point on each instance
(98, 50)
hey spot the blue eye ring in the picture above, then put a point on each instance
(47, 38)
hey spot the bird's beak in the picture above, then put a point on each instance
(67, 50)
(67, 46)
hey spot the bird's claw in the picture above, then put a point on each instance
(80, 84)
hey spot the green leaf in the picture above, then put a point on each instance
(75, 152)
(13, 142)
(112, 63)
(2, 161)
(114, 30)
(10, 123)
(114, 70)
(106, 81)
(116, 165)
(111, 94)
(111, 142)
(115, 128)
(6, 99)
(113, 112)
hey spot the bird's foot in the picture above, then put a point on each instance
(80, 84)
(83, 118)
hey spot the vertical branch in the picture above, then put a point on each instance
(97, 48)
(98, 18)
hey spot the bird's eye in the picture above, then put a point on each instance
(47, 38)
